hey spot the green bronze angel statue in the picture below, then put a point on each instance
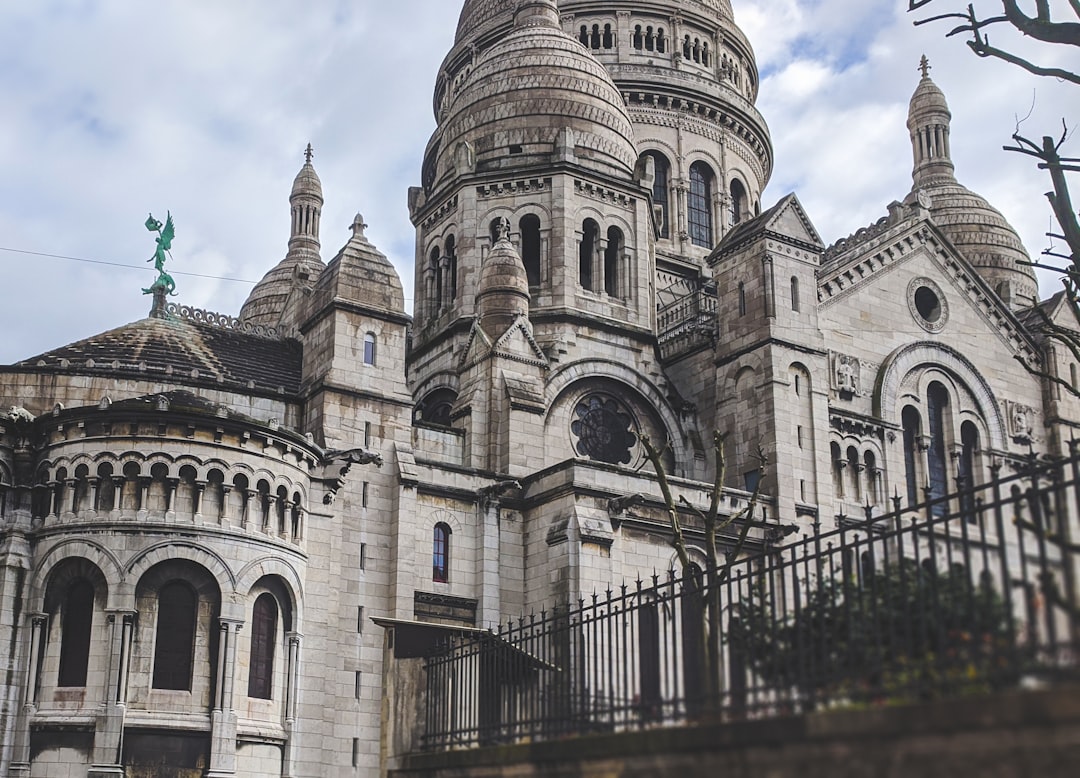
(164, 244)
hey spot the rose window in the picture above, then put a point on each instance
(605, 430)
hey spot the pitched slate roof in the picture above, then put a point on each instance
(214, 352)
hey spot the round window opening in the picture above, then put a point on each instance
(605, 429)
(928, 304)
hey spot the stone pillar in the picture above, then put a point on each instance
(200, 490)
(223, 716)
(20, 761)
(223, 515)
(490, 610)
(109, 732)
(292, 685)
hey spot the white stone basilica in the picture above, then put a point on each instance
(201, 515)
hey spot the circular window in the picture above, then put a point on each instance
(927, 304)
(605, 429)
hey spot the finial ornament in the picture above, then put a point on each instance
(924, 66)
(164, 285)
(358, 226)
(503, 229)
(308, 154)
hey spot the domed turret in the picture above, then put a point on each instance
(976, 228)
(534, 96)
(269, 302)
(502, 293)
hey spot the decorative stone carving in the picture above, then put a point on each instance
(1021, 422)
(846, 375)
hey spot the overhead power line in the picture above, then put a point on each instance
(121, 264)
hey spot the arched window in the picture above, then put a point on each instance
(837, 468)
(440, 554)
(583, 36)
(436, 406)
(969, 448)
(77, 621)
(434, 276)
(912, 424)
(174, 642)
(661, 41)
(590, 232)
(264, 617)
(855, 467)
(594, 39)
(609, 37)
(369, 348)
(795, 294)
(700, 206)
(613, 262)
(704, 53)
(451, 269)
(738, 201)
(937, 402)
(742, 299)
(870, 467)
(639, 39)
(530, 247)
(686, 47)
(661, 186)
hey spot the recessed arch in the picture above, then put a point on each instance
(906, 359)
(182, 550)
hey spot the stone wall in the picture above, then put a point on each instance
(1014, 734)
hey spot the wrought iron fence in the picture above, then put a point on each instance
(965, 594)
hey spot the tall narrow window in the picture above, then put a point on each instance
(911, 423)
(174, 643)
(870, 465)
(440, 554)
(263, 637)
(795, 294)
(661, 185)
(738, 201)
(369, 348)
(451, 269)
(700, 206)
(76, 618)
(837, 469)
(969, 448)
(937, 402)
(854, 466)
(590, 232)
(613, 264)
(530, 248)
(435, 275)
(742, 299)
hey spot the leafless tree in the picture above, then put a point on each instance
(1044, 27)
(713, 524)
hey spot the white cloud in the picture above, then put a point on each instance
(114, 108)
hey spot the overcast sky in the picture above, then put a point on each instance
(110, 109)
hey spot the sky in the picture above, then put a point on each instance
(110, 109)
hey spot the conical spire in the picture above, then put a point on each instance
(274, 300)
(307, 202)
(928, 123)
(502, 293)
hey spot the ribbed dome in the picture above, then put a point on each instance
(523, 93)
(974, 226)
(502, 293)
(307, 182)
(986, 239)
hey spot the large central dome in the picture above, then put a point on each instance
(478, 16)
(533, 90)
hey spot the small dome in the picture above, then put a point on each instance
(536, 89)
(986, 239)
(503, 289)
(360, 274)
(307, 182)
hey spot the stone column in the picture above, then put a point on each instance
(20, 761)
(109, 732)
(200, 490)
(223, 716)
(490, 611)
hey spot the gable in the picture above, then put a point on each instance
(911, 284)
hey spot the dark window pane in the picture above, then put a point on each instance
(77, 619)
(174, 649)
(700, 210)
(263, 637)
(440, 555)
